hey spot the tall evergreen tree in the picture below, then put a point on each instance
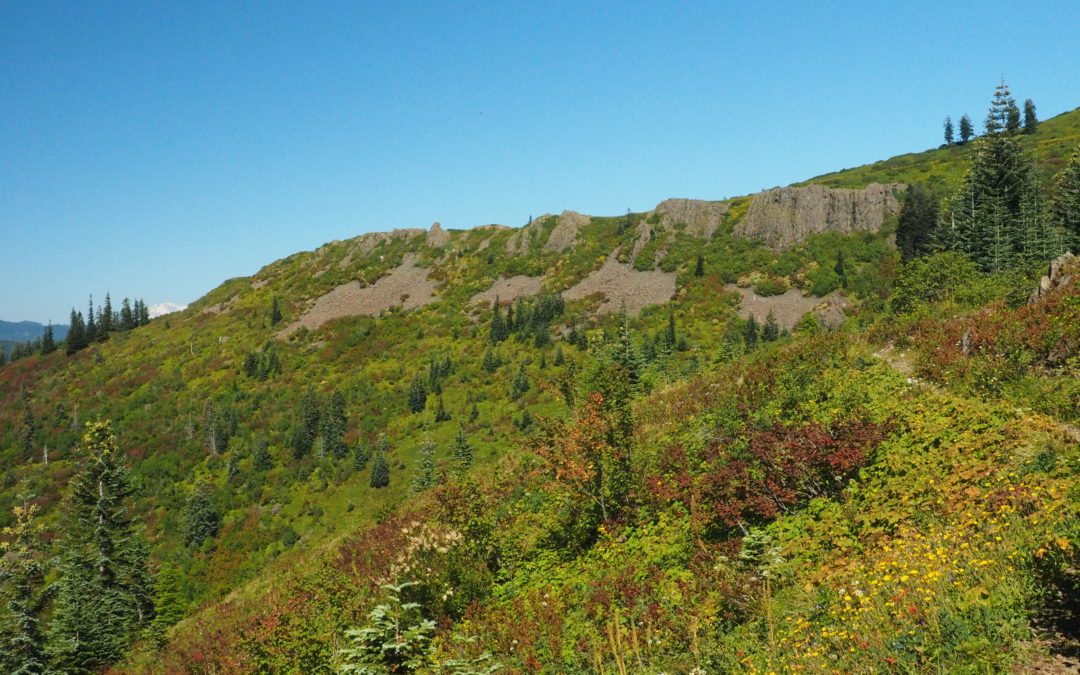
(499, 330)
(76, 337)
(307, 425)
(418, 394)
(461, 451)
(260, 458)
(105, 325)
(334, 422)
(169, 605)
(22, 583)
(1066, 204)
(360, 457)
(105, 595)
(949, 138)
(275, 311)
(1031, 121)
(91, 323)
(750, 333)
(966, 130)
(424, 478)
(48, 341)
(699, 266)
(127, 319)
(380, 471)
(1001, 107)
(918, 220)
(27, 429)
(770, 332)
(201, 518)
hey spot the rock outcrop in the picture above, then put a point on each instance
(783, 217)
(1063, 269)
(437, 236)
(701, 217)
(566, 231)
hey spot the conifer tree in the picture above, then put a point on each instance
(48, 341)
(499, 330)
(306, 426)
(275, 312)
(260, 458)
(918, 220)
(104, 597)
(127, 319)
(201, 518)
(441, 414)
(1066, 204)
(699, 266)
(76, 337)
(360, 457)
(770, 332)
(169, 605)
(22, 584)
(27, 430)
(966, 130)
(334, 423)
(418, 394)
(949, 138)
(519, 385)
(380, 471)
(1031, 121)
(491, 361)
(424, 478)
(105, 325)
(750, 334)
(461, 451)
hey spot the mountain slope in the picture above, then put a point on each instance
(400, 325)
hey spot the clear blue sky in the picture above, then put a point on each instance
(154, 149)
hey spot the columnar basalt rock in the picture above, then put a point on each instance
(784, 217)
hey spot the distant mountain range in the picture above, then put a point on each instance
(22, 331)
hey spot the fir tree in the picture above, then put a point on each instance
(699, 266)
(76, 337)
(418, 394)
(461, 451)
(669, 336)
(949, 138)
(519, 385)
(380, 471)
(127, 319)
(334, 423)
(260, 458)
(499, 330)
(1066, 204)
(770, 332)
(360, 457)
(967, 131)
(91, 323)
(306, 426)
(105, 593)
(441, 415)
(918, 220)
(491, 361)
(1031, 121)
(424, 478)
(201, 519)
(48, 341)
(275, 311)
(169, 605)
(750, 333)
(105, 325)
(22, 584)
(27, 430)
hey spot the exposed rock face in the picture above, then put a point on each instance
(437, 236)
(1062, 270)
(407, 285)
(623, 286)
(566, 231)
(520, 241)
(369, 241)
(783, 217)
(701, 217)
(509, 288)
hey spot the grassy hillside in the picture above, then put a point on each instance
(875, 495)
(944, 167)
